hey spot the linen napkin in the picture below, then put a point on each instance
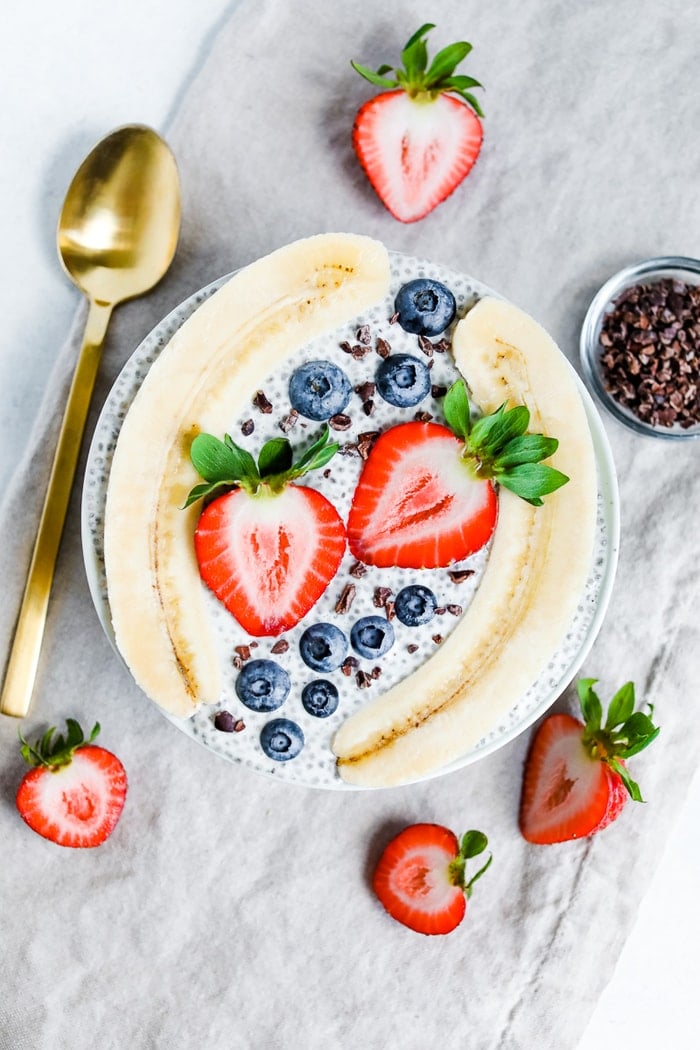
(229, 910)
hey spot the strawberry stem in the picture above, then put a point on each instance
(473, 843)
(423, 82)
(497, 447)
(624, 733)
(224, 465)
(52, 753)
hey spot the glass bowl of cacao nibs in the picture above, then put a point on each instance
(640, 347)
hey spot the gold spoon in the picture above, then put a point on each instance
(117, 235)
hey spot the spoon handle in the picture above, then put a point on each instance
(26, 647)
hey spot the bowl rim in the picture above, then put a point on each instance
(656, 266)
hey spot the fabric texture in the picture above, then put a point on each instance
(228, 910)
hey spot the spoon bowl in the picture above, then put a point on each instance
(117, 235)
(118, 228)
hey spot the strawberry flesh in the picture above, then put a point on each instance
(416, 151)
(77, 804)
(416, 504)
(567, 793)
(413, 882)
(269, 558)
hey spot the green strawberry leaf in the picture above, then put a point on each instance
(424, 29)
(208, 488)
(74, 736)
(457, 409)
(473, 843)
(447, 60)
(415, 58)
(591, 707)
(490, 434)
(377, 79)
(529, 448)
(218, 460)
(634, 749)
(621, 706)
(317, 455)
(275, 457)
(530, 481)
(631, 785)
(461, 83)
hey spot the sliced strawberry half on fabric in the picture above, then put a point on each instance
(576, 781)
(418, 142)
(266, 548)
(421, 877)
(426, 498)
(75, 792)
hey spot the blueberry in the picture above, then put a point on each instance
(281, 739)
(402, 380)
(323, 647)
(262, 685)
(425, 307)
(320, 698)
(319, 390)
(415, 605)
(372, 636)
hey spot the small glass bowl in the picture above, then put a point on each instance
(647, 272)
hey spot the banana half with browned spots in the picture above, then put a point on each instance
(534, 578)
(205, 376)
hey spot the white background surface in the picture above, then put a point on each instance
(71, 72)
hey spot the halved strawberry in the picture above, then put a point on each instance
(75, 793)
(417, 143)
(576, 781)
(420, 877)
(425, 497)
(267, 549)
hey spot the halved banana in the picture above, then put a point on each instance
(534, 578)
(201, 381)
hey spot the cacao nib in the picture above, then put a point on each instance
(365, 390)
(381, 594)
(460, 575)
(288, 421)
(261, 402)
(224, 722)
(340, 422)
(347, 597)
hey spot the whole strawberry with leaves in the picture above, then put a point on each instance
(419, 138)
(576, 780)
